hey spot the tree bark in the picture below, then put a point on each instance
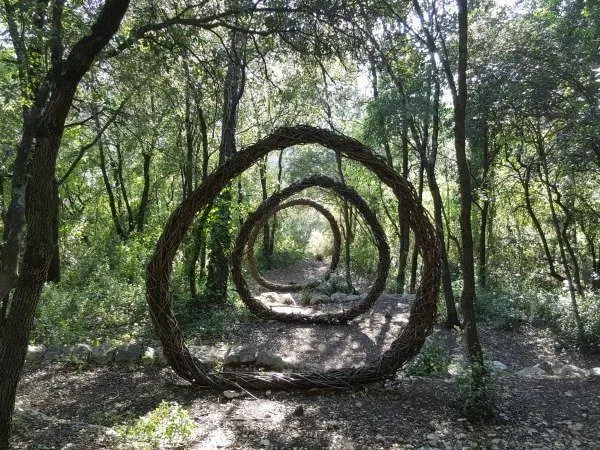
(123, 188)
(479, 407)
(266, 229)
(109, 191)
(438, 212)
(404, 229)
(143, 208)
(414, 263)
(220, 234)
(348, 232)
(485, 208)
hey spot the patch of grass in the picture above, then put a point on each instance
(168, 426)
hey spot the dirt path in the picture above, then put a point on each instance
(550, 412)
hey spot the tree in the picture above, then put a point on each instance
(41, 204)
(479, 407)
(220, 235)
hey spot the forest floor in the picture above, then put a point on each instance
(63, 406)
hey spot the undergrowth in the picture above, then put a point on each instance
(167, 426)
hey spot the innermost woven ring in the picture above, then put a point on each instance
(345, 192)
(335, 252)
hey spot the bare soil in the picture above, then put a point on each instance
(423, 412)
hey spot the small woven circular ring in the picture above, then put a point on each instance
(335, 251)
(254, 220)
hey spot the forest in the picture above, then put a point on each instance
(299, 224)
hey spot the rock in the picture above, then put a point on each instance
(595, 372)
(231, 394)
(265, 442)
(160, 360)
(298, 411)
(287, 299)
(353, 298)
(318, 299)
(240, 357)
(101, 354)
(129, 353)
(272, 297)
(571, 371)
(546, 367)
(204, 355)
(270, 361)
(339, 297)
(497, 366)
(80, 351)
(35, 353)
(532, 372)
(576, 427)
(148, 356)
(53, 354)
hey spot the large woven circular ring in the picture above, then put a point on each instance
(335, 251)
(411, 336)
(348, 194)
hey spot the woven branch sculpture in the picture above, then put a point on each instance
(406, 344)
(251, 239)
(271, 204)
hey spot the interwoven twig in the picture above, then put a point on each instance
(348, 194)
(251, 239)
(160, 267)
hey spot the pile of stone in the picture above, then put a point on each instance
(310, 298)
(253, 356)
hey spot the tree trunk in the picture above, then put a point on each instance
(274, 219)
(479, 407)
(198, 246)
(414, 264)
(109, 190)
(404, 228)
(438, 211)
(560, 238)
(220, 234)
(123, 188)
(525, 180)
(30, 71)
(143, 208)
(485, 208)
(348, 233)
(266, 229)
(41, 206)
(438, 205)
(196, 250)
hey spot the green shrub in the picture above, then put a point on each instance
(476, 397)
(431, 361)
(105, 309)
(168, 426)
